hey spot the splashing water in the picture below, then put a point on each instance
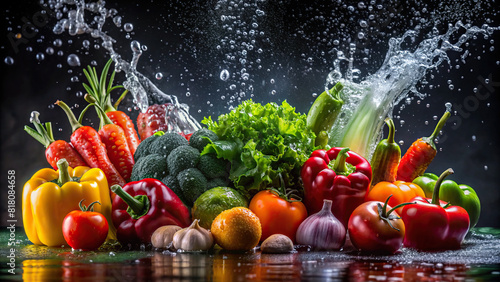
(143, 90)
(367, 103)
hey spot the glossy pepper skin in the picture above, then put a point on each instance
(386, 157)
(432, 224)
(323, 113)
(420, 154)
(335, 175)
(456, 194)
(50, 195)
(142, 206)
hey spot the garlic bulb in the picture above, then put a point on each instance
(193, 238)
(322, 230)
(163, 236)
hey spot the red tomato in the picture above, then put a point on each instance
(277, 215)
(85, 230)
(370, 232)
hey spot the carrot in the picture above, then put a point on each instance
(88, 143)
(101, 92)
(55, 149)
(420, 154)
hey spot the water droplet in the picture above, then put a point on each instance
(79, 94)
(272, 81)
(40, 56)
(485, 167)
(128, 27)
(426, 122)
(273, 92)
(9, 60)
(473, 138)
(159, 75)
(315, 95)
(224, 75)
(57, 42)
(49, 51)
(448, 106)
(260, 13)
(451, 86)
(73, 60)
(401, 142)
(188, 94)
(232, 87)
(74, 79)
(402, 122)
(86, 44)
(363, 24)
(428, 105)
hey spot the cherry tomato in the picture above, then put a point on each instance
(400, 190)
(373, 227)
(85, 229)
(277, 215)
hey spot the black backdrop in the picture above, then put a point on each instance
(190, 43)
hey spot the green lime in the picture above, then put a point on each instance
(214, 201)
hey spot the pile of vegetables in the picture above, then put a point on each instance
(260, 174)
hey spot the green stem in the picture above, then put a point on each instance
(120, 99)
(439, 126)
(62, 166)
(104, 119)
(435, 194)
(340, 164)
(71, 117)
(137, 206)
(392, 130)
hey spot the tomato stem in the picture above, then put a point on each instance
(386, 215)
(83, 208)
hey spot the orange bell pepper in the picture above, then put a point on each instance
(401, 191)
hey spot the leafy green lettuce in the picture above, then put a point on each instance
(262, 142)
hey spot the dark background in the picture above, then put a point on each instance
(190, 43)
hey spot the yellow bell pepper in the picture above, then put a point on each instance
(50, 195)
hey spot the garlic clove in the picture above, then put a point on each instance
(164, 235)
(322, 230)
(193, 238)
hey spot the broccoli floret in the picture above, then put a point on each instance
(143, 149)
(150, 166)
(213, 167)
(164, 144)
(193, 183)
(181, 158)
(197, 141)
(217, 182)
(173, 184)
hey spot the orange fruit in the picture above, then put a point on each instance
(237, 229)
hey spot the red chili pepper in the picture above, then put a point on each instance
(101, 92)
(55, 149)
(335, 175)
(142, 207)
(113, 137)
(432, 224)
(420, 154)
(88, 143)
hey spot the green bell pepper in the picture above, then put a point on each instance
(456, 194)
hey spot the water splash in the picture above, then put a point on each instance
(368, 102)
(142, 89)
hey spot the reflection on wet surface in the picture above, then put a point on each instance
(478, 260)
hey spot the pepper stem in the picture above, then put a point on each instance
(137, 206)
(340, 164)
(71, 117)
(392, 130)
(435, 194)
(438, 128)
(64, 176)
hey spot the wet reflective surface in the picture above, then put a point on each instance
(479, 259)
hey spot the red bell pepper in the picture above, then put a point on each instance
(143, 206)
(432, 224)
(336, 175)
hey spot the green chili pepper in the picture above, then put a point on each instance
(323, 113)
(456, 194)
(386, 157)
